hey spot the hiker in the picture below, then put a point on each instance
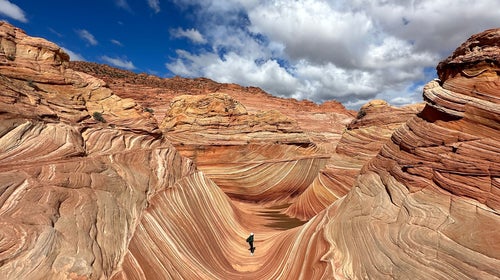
(250, 242)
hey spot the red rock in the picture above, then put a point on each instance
(322, 123)
(360, 142)
(83, 198)
(427, 204)
(72, 188)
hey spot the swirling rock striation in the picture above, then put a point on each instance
(256, 157)
(107, 196)
(72, 185)
(427, 204)
(423, 208)
(361, 141)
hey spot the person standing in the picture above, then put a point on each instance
(250, 242)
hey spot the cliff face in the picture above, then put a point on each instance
(361, 141)
(427, 204)
(323, 124)
(91, 187)
(78, 165)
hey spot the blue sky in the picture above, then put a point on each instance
(348, 50)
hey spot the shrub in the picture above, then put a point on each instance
(98, 117)
(361, 114)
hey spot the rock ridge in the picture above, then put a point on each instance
(92, 188)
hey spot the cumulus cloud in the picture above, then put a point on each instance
(119, 62)
(348, 50)
(87, 36)
(234, 68)
(191, 34)
(155, 5)
(74, 56)
(12, 10)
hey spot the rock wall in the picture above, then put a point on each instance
(427, 205)
(91, 188)
(361, 141)
(72, 188)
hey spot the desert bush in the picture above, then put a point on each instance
(361, 114)
(98, 117)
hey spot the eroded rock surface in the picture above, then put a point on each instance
(72, 188)
(107, 195)
(360, 142)
(323, 123)
(427, 204)
(254, 157)
(424, 207)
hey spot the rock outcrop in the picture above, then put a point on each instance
(427, 204)
(361, 141)
(78, 165)
(244, 154)
(218, 119)
(92, 188)
(323, 123)
(423, 207)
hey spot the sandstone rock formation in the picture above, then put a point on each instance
(245, 154)
(323, 123)
(427, 204)
(92, 188)
(72, 188)
(218, 119)
(360, 142)
(414, 211)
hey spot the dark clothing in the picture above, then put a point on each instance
(250, 241)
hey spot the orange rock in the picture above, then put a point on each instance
(72, 188)
(91, 188)
(427, 204)
(360, 142)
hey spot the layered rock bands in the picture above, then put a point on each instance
(92, 187)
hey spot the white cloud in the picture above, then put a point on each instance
(313, 30)
(55, 32)
(233, 68)
(12, 10)
(349, 50)
(155, 5)
(191, 33)
(432, 25)
(116, 42)
(119, 62)
(74, 56)
(87, 36)
(123, 4)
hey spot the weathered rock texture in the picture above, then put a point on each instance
(218, 119)
(323, 123)
(72, 189)
(427, 204)
(107, 195)
(245, 154)
(360, 142)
